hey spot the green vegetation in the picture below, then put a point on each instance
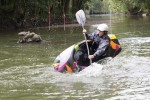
(24, 13)
(133, 7)
(30, 13)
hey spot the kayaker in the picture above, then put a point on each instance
(100, 42)
(98, 50)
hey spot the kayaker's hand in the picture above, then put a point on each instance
(91, 57)
(84, 31)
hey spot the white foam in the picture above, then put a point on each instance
(93, 70)
(130, 97)
(136, 45)
(136, 40)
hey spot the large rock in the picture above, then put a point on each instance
(29, 37)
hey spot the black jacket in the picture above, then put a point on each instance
(100, 44)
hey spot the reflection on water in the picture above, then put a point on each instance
(26, 73)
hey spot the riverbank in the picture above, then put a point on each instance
(91, 20)
(33, 23)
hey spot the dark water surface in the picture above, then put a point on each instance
(25, 72)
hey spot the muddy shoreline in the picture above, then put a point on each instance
(88, 23)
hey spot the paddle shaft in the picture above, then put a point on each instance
(80, 16)
(87, 47)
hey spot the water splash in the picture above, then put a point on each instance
(93, 70)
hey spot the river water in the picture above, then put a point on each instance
(25, 72)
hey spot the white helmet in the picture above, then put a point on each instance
(102, 27)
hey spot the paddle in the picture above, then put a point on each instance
(80, 16)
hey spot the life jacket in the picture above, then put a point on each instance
(115, 47)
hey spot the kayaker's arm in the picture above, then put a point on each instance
(101, 49)
(90, 36)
